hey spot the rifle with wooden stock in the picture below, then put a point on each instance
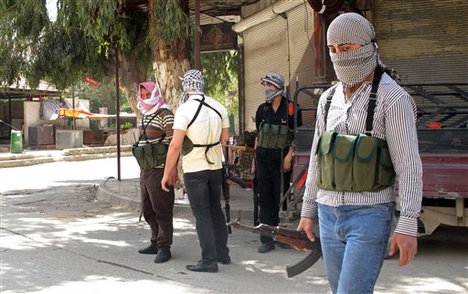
(296, 239)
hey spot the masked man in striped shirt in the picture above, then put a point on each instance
(365, 139)
(155, 135)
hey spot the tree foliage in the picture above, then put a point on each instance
(78, 42)
(220, 72)
(102, 96)
(22, 25)
(173, 24)
(82, 41)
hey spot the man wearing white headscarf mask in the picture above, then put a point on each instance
(355, 206)
(157, 204)
(201, 126)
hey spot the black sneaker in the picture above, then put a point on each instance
(203, 267)
(150, 249)
(266, 247)
(164, 255)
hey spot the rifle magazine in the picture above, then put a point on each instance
(301, 266)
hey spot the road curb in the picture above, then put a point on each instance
(126, 193)
(75, 154)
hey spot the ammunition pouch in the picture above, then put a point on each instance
(353, 163)
(187, 146)
(272, 136)
(150, 155)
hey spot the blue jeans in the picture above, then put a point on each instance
(354, 240)
(204, 193)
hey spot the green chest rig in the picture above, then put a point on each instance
(354, 163)
(187, 145)
(151, 154)
(274, 136)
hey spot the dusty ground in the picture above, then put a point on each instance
(57, 202)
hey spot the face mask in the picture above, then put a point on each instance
(151, 101)
(271, 92)
(354, 66)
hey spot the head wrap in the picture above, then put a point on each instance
(152, 104)
(353, 66)
(192, 83)
(275, 79)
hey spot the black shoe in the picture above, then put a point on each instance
(283, 245)
(266, 247)
(150, 249)
(202, 267)
(225, 260)
(164, 255)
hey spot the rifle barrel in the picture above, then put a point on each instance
(262, 229)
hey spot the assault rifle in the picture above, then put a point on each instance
(296, 239)
(228, 175)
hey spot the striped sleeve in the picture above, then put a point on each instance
(402, 141)
(309, 205)
(167, 124)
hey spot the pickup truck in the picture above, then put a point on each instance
(443, 145)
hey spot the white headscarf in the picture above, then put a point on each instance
(152, 104)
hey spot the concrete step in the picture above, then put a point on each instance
(32, 157)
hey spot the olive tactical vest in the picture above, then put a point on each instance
(354, 163)
(274, 136)
(150, 155)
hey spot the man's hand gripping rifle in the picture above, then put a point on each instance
(296, 239)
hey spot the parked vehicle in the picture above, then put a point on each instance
(443, 145)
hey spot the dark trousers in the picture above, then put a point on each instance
(157, 206)
(268, 176)
(204, 193)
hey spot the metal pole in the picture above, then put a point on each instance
(241, 83)
(9, 110)
(117, 108)
(73, 107)
(197, 35)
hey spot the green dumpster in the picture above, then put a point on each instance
(16, 142)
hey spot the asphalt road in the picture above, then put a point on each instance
(56, 237)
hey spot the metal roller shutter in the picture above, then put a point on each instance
(424, 40)
(265, 50)
(301, 55)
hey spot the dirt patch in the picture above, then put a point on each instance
(57, 202)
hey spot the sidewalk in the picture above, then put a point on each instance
(126, 193)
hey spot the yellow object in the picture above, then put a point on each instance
(76, 113)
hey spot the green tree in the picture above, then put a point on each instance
(83, 41)
(101, 96)
(220, 72)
